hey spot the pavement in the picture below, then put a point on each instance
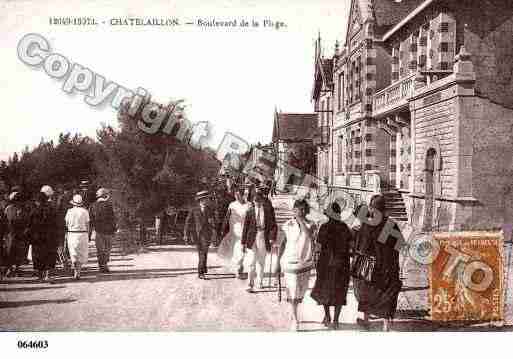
(157, 289)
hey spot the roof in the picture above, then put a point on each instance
(323, 76)
(387, 13)
(327, 70)
(294, 127)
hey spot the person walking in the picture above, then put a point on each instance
(43, 229)
(16, 239)
(103, 226)
(332, 280)
(295, 256)
(377, 289)
(230, 250)
(77, 225)
(200, 229)
(259, 233)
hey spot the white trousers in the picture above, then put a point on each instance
(256, 256)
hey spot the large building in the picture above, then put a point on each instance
(418, 105)
(293, 135)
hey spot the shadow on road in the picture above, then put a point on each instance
(27, 303)
(26, 289)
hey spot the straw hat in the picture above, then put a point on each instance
(77, 200)
(102, 192)
(202, 194)
(13, 196)
(48, 190)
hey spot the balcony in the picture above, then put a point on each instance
(323, 136)
(394, 96)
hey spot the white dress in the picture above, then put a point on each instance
(77, 221)
(230, 249)
(297, 260)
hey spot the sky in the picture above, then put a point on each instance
(232, 77)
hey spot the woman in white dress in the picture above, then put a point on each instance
(230, 250)
(77, 224)
(296, 260)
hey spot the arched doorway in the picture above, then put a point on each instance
(429, 189)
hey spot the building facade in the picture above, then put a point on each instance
(423, 110)
(293, 135)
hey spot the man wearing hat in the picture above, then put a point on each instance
(259, 233)
(201, 229)
(103, 225)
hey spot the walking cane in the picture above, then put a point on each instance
(278, 272)
(271, 266)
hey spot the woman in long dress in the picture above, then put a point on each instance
(230, 250)
(43, 236)
(295, 257)
(77, 224)
(378, 296)
(332, 281)
(16, 238)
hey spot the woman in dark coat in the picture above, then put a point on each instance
(43, 236)
(378, 296)
(16, 239)
(333, 273)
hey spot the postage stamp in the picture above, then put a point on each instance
(466, 277)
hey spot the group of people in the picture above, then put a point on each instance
(57, 229)
(249, 231)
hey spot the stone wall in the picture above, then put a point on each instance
(435, 128)
(488, 38)
(489, 130)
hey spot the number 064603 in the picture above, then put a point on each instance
(32, 344)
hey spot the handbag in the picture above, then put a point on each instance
(363, 267)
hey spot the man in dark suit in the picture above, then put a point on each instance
(259, 233)
(201, 229)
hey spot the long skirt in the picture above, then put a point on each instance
(331, 285)
(78, 245)
(297, 284)
(230, 250)
(376, 298)
(16, 249)
(44, 255)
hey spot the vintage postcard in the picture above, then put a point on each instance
(329, 166)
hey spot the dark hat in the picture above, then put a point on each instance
(202, 194)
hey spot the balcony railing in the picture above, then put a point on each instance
(393, 96)
(323, 136)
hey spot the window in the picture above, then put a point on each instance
(443, 27)
(368, 44)
(340, 164)
(423, 41)
(393, 168)
(368, 167)
(413, 48)
(340, 91)
(422, 60)
(370, 76)
(444, 47)
(328, 113)
(444, 65)
(368, 152)
(393, 153)
(412, 65)
(368, 136)
(369, 61)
